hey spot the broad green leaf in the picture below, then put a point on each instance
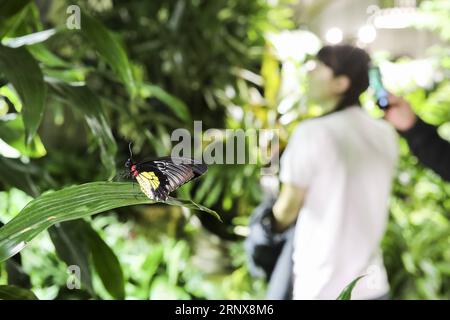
(13, 97)
(346, 294)
(106, 263)
(107, 46)
(175, 104)
(44, 55)
(14, 270)
(56, 67)
(20, 68)
(11, 13)
(16, 293)
(68, 75)
(76, 242)
(14, 173)
(71, 247)
(83, 99)
(12, 132)
(73, 203)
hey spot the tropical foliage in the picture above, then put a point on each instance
(72, 99)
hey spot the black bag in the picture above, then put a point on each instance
(269, 253)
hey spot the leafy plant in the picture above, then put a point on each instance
(346, 293)
(16, 293)
(71, 100)
(68, 204)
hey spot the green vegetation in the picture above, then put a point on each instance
(71, 100)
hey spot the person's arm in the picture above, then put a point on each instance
(287, 206)
(423, 139)
(429, 147)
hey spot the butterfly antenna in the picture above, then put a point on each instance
(131, 152)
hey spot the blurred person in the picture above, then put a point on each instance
(423, 139)
(336, 175)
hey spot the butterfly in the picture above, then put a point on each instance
(159, 177)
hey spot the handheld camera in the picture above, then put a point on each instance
(381, 94)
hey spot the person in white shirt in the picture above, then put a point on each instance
(336, 175)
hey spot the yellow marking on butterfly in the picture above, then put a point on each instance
(153, 179)
(148, 182)
(145, 186)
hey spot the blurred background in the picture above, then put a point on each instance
(137, 70)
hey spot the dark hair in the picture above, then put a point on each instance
(352, 62)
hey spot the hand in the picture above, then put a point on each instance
(400, 114)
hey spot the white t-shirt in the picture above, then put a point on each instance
(346, 160)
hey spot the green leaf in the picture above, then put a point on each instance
(29, 39)
(152, 263)
(16, 293)
(213, 195)
(192, 205)
(73, 203)
(106, 263)
(43, 54)
(71, 247)
(15, 273)
(12, 132)
(9, 8)
(174, 259)
(13, 97)
(20, 68)
(75, 242)
(103, 41)
(346, 294)
(14, 173)
(207, 184)
(83, 99)
(175, 104)
(11, 13)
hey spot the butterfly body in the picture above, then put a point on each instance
(159, 177)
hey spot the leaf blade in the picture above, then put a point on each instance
(109, 49)
(23, 72)
(346, 294)
(73, 203)
(175, 104)
(11, 12)
(106, 264)
(71, 247)
(83, 99)
(9, 292)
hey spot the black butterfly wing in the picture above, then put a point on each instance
(171, 173)
(153, 184)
